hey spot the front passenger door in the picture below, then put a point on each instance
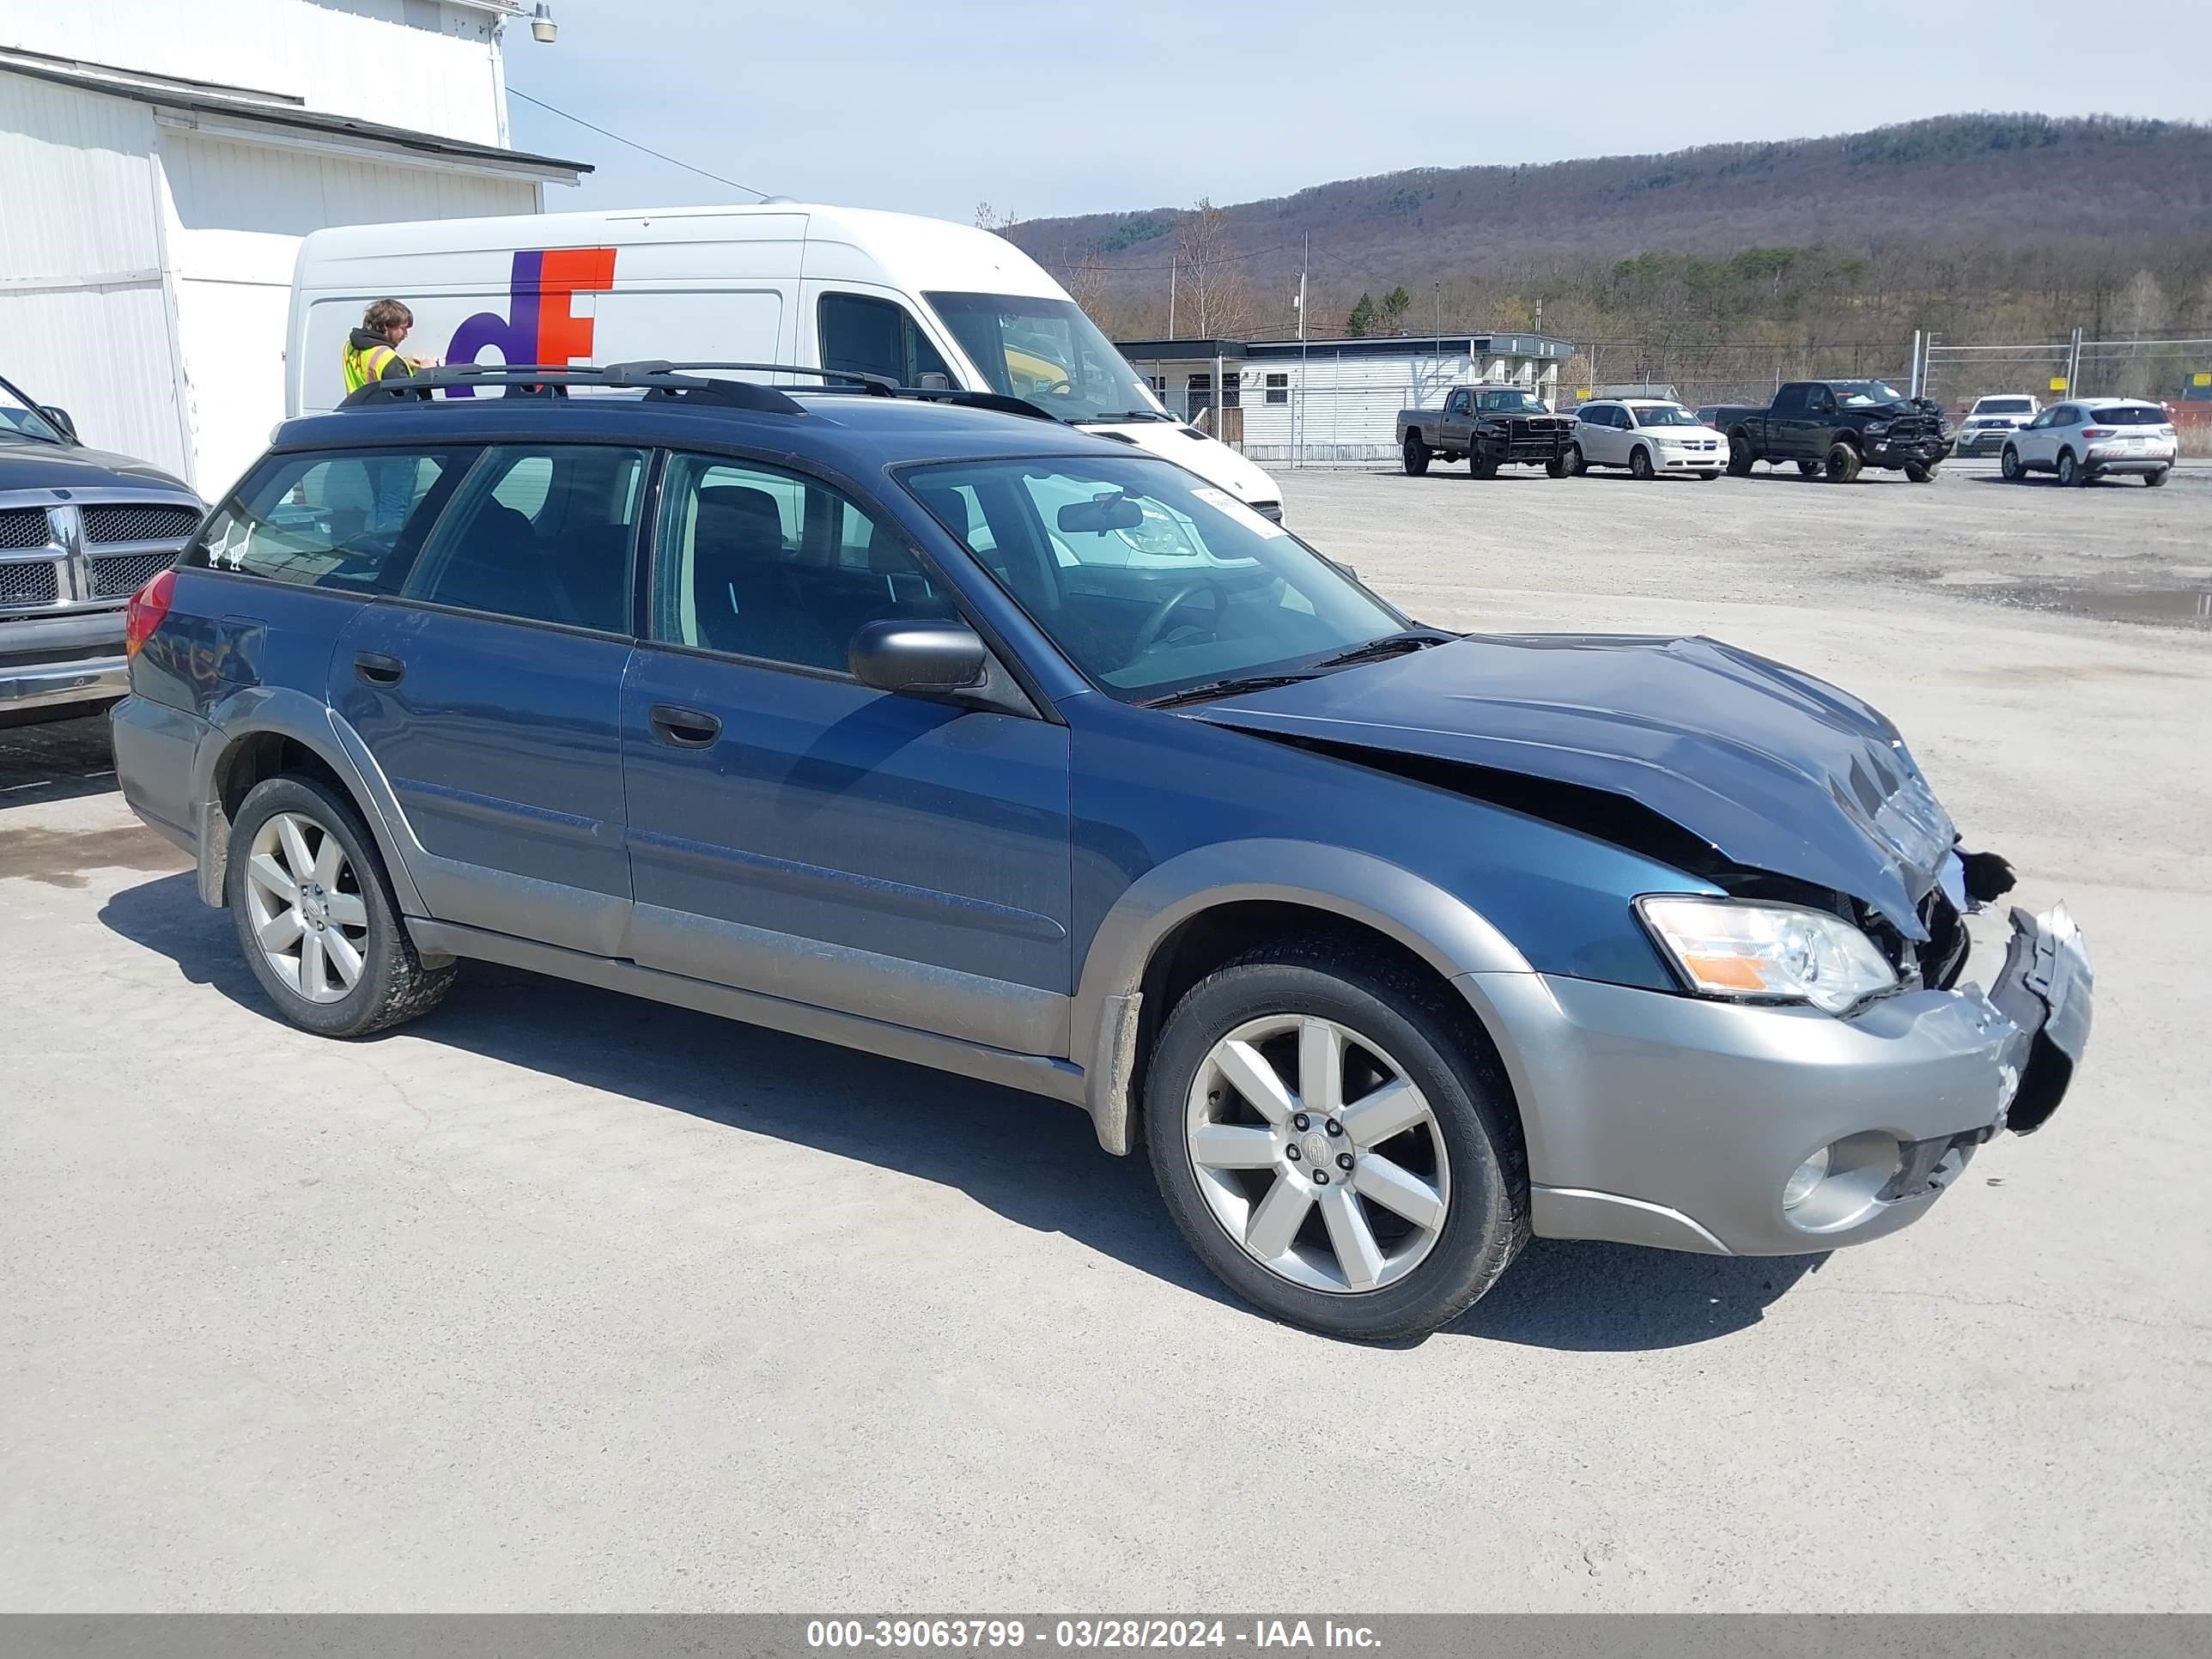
(796, 833)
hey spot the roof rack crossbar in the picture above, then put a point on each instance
(654, 379)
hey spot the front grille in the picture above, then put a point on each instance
(27, 584)
(120, 573)
(24, 526)
(104, 526)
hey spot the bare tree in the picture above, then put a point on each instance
(989, 218)
(1087, 283)
(1210, 272)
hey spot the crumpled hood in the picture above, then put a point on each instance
(1776, 770)
(49, 466)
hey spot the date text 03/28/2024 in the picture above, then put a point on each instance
(1280, 1635)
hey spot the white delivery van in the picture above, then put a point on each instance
(782, 283)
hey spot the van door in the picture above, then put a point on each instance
(874, 332)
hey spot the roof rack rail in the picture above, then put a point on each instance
(876, 385)
(553, 380)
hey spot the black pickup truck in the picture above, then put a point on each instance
(1490, 427)
(1833, 429)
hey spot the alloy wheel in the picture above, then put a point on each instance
(1318, 1153)
(304, 901)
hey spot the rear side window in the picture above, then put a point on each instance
(876, 337)
(541, 533)
(330, 521)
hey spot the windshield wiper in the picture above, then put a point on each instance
(23, 435)
(1390, 645)
(1226, 688)
(1119, 415)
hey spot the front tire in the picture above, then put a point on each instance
(2009, 465)
(1809, 469)
(1639, 464)
(1480, 467)
(1576, 465)
(1919, 474)
(1417, 456)
(1557, 467)
(1740, 457)
(314, 913)
(1387, 1225)
(1843, 465)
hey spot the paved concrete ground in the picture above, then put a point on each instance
(561, 1300)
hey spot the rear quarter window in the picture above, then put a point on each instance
(323, 519)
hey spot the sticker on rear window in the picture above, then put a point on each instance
(1258, 523)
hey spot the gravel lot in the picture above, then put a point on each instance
(559, 1300)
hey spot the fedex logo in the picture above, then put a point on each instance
(540, 326)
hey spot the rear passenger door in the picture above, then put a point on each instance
(488, 690)
(793, 831)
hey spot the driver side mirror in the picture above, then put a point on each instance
(930, 380)
(59, 419)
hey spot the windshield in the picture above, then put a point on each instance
(1663, 414)
(1047, 351)
(2005, 406)
(1510, 402)
(1152, 581)
(1865, 394)
(20, 422)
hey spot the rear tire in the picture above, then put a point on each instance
(1417, 456)
(2071, 475)
(2153, 480)
(1739, 458)
(1463, 1160)
(2009, 465)
(326, 940)
(1639, 464)
(1843, 465)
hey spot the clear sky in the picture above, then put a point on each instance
(1047, 107)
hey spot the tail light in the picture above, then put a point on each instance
(2096, 432)
(148, 606)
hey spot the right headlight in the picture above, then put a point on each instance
(1738, 950)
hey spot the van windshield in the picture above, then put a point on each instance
(1046, 351)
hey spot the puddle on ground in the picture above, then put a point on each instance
(59, 858)
(2188, 605)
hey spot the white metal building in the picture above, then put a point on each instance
(1319, 401)
(160, 162)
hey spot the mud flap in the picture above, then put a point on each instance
(2047, 989)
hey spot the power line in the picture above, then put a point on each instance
(516, 91)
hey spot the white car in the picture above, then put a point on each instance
(1647, 436)
(2091, 437)
(1992, 419)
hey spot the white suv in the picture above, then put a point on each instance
(2091, 437)
(1992, 419)
(1647, 436)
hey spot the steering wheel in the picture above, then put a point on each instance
(1060, 389)
(1157, 623)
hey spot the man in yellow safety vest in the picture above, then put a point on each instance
(372, 351)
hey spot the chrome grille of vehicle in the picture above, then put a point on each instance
(105, 525)
(28, 583)
(121, 573)
(24, 526)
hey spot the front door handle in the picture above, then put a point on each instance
(374, 668)
(687, 728)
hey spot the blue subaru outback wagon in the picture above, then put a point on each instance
(923, 724)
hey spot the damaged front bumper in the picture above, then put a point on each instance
(1675, 1121)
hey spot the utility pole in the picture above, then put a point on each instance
(1306, 261)
(1173, 270)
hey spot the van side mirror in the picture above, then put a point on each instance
(59, 418)
(930, 380)
(923, 657)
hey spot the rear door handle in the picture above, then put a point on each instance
(374, 668)
(687, 728)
